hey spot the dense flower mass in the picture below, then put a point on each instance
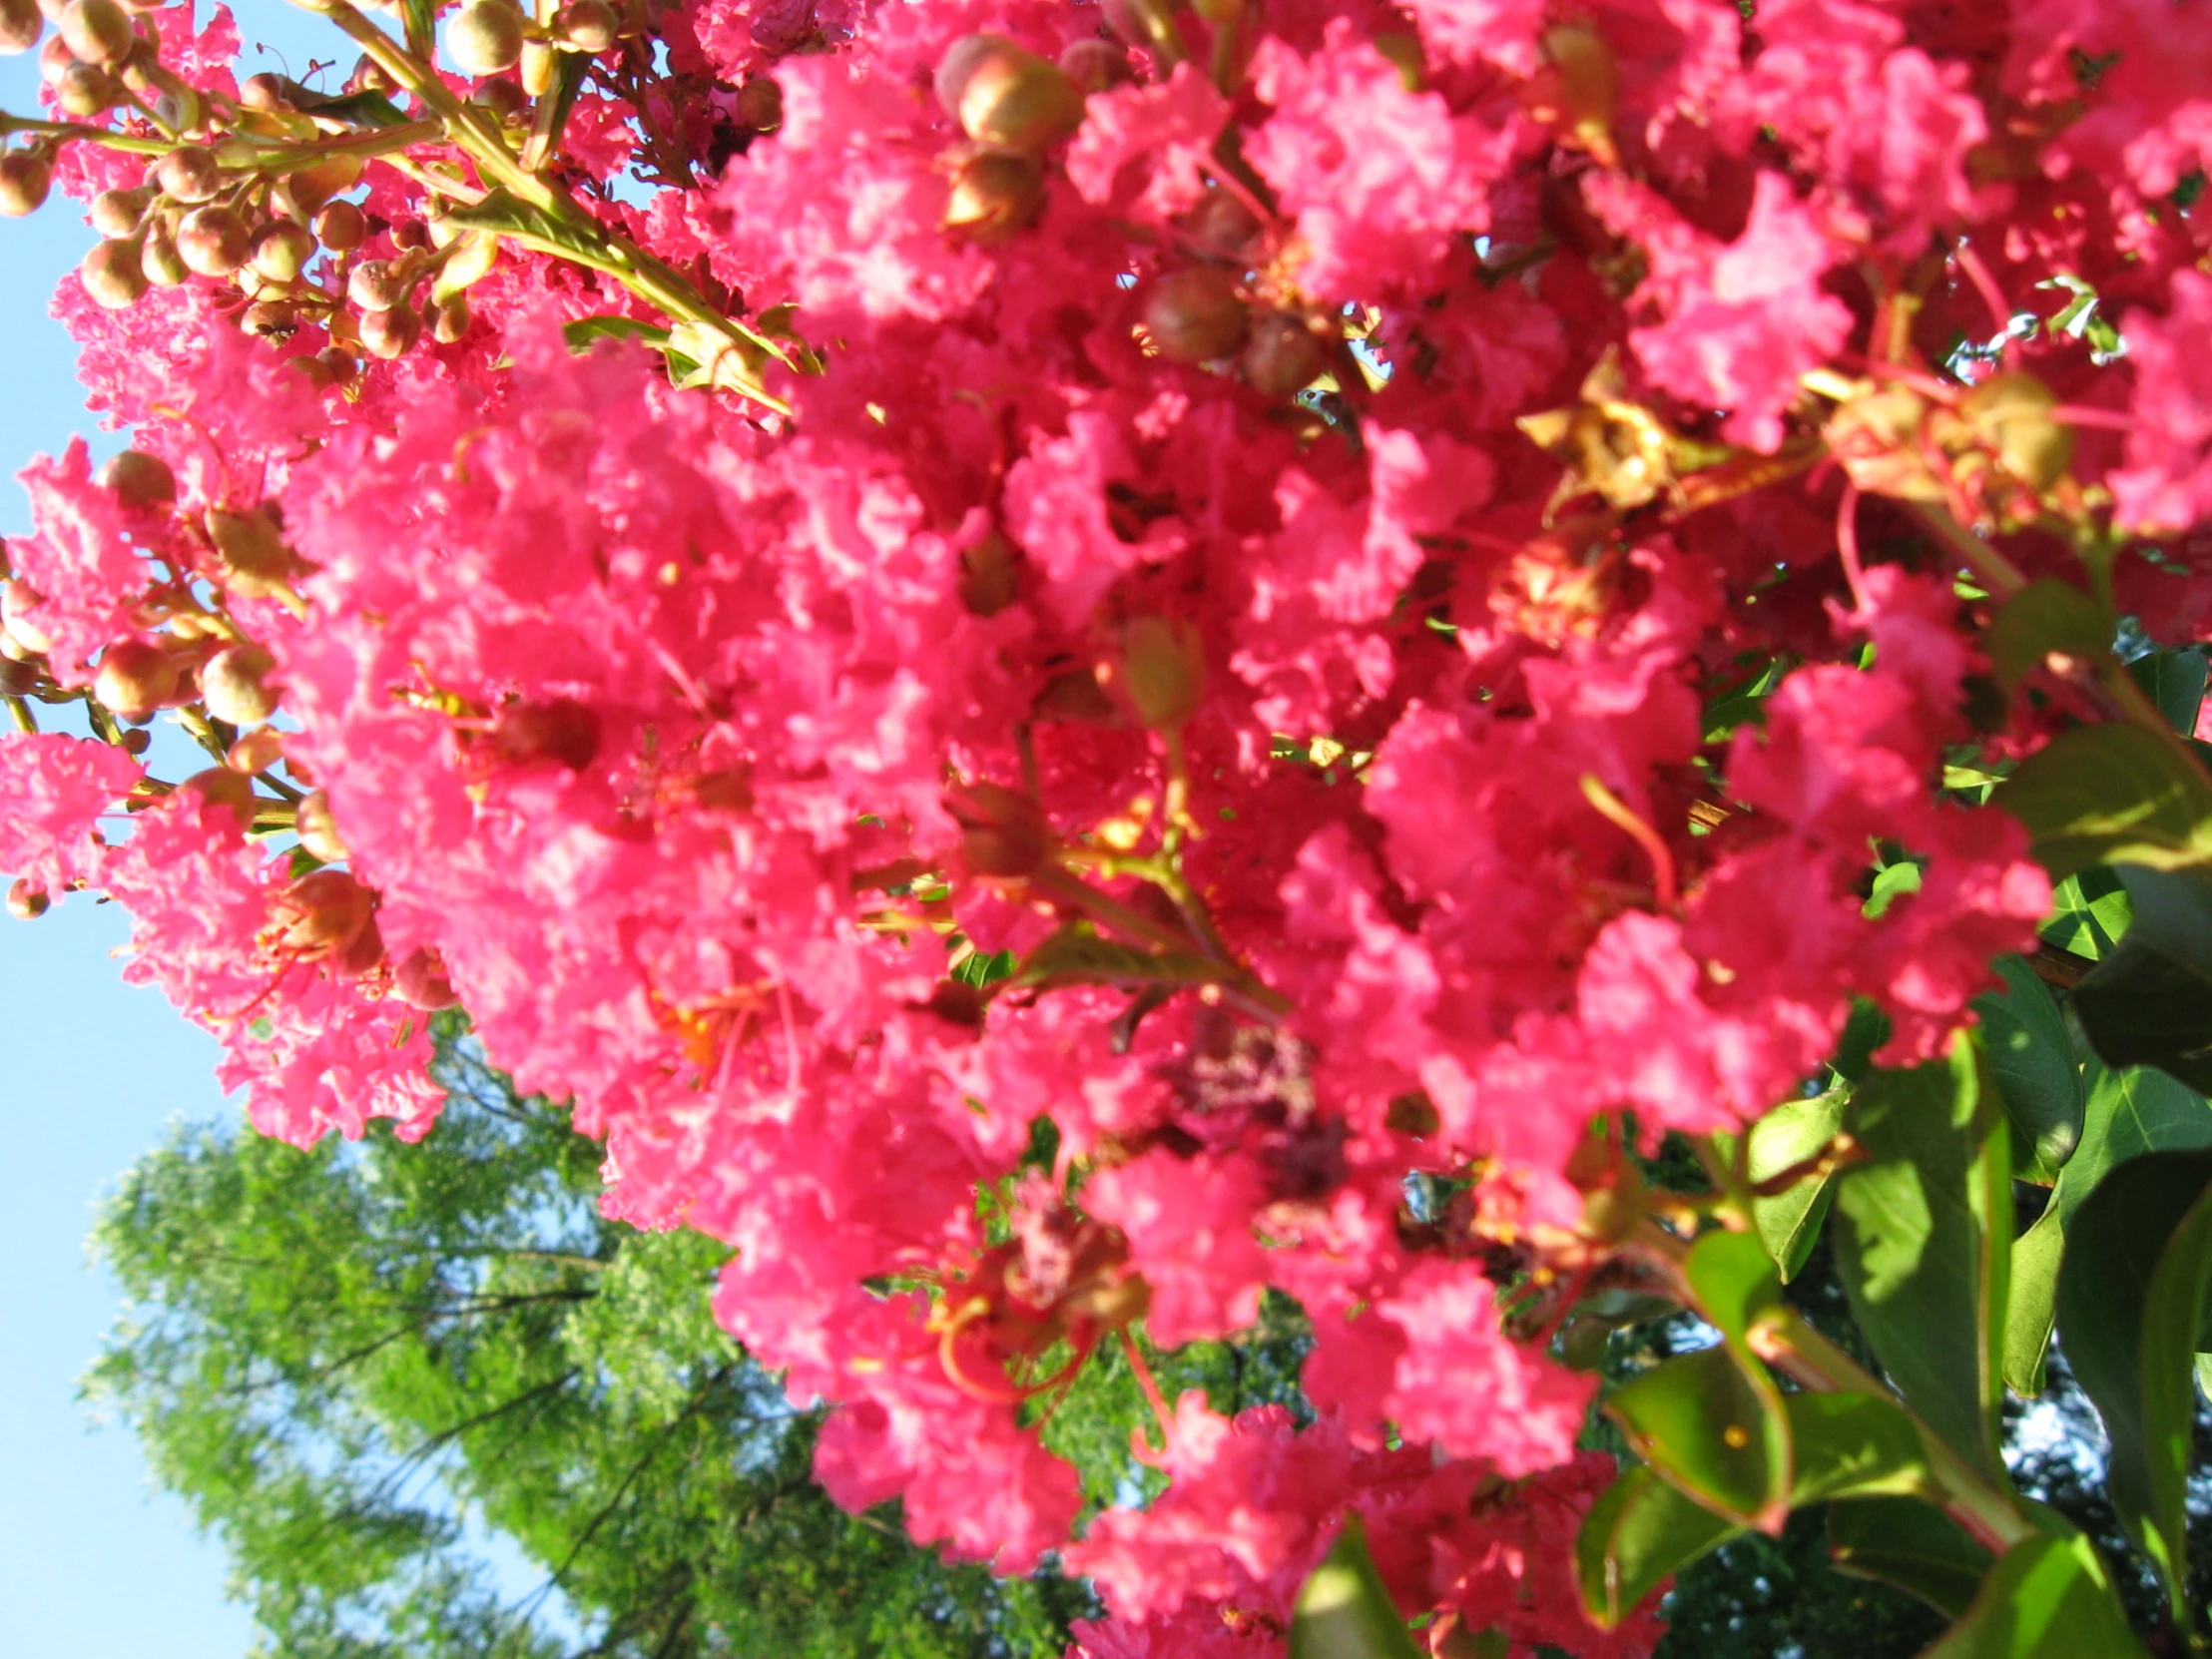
(1341, 601)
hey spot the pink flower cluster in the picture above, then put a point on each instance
(1269, 552)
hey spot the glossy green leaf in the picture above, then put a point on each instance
(1912, 1545)
(585, 329)
(1920, 1233)
(1712, 1433)
(2046, 616)
(2037, 1076)
(1794, 1133)
(357, 109)
(2046, 1599)
(509, 215)
(2149, 1003)
(1854, 1445)
(2174, 680)
(473, 255)
(2127, 1114)
(1639, 1532)
(2131, 1304)
(2089, 913)
(1344, 1612)
(2111, 795)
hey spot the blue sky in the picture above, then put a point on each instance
(92, 1566)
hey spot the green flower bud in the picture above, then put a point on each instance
(319, 830)
(220, 787)
(84, 89)
(503, 97)
(280, 250)
(135, 678)
(267, 92)
(375, 287)
(212, 241)
(994, 195)
(1007, 97)
(250, 556)
(27, 901)
(113, 275)
(164, 265)
(97, 31)
(390, 333)
(119, 213)
(1194, 314)
(139, 480)
(485, 36)
(344, 368)
(1280, 357)
(1158, 671)
(341, 227)
(188, 174)
(2011, 413)
(233, 684)
(760, 105)
(588, 25)
(450, 321)
(25, 178)
(20, 25)
(1003, 831)
(270, 320)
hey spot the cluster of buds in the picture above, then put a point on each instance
(1013, 105)
(1996, 452)
(490, 36)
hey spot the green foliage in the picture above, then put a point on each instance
(2150, 1001)
(2120, 795)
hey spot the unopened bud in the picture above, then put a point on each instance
(97, 31)
(1281, 357)
(375, 287)
(452, 321)
(484, 37)
(2012, 412)
(994, 195)
(84, 89)
(501, 97)
(188, 174)
(265, 91)
(410, 232)
(334, 176)
(257, 751)
(20, 25)
(561, 730)
(317, 829)
(250, 552)
(1194, 314)
(344, 368)
(369, 76)
(341, 227)
(760, 105)
(1578, 90)
(25, 178)
(135, 678)
(53, 57)
(323, 914)
(17, 600)
(1159, 671)
(27, 901)
(990, 574)
(220, 787)
(273, 319)
(420, 981)
(164, 265)
(112, 275)
(536, 70)
(139, 480)
(1096, 65)
(211, 241)
(1003, 831)
(118, 213)
(1221, 220)
(280, 250)
(233, 684)
(587, 25)
(1006, 97)
(1149, 24)
(390, 333)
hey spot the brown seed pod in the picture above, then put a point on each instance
(139, 480)
(164, 265)
(995, 194)
(20, 25)
(485, 36)
(188, 174)
(234, 683)
(212, 241)
(112, 275)
(588, 25)
(27, 901)
(318, 829)
(25, 178)
(1280, 357)
(341, 227)
(392, 333)
(760, 105)
(97, 31)
(280, 250)
(135, 678)
(84, 89)
(1194, 314)
(119, 213)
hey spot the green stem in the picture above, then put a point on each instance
(1998, 574)
(72, 132)
(20, 712)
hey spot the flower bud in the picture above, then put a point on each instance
(252, 558)
(211, 241)
(27, 901)
(220, 787)
(53, 57)
(760, 105)
(560, 730)
(25, 178)
(314, 186)
(369, 76)
(485, 36)
(280, 250)
(419, 979)
(341, 227)
(1194, 314)
(135, 678)
(375, 287)
(85, 90)
(20, 25)
(501, 97)
(1003, 831)
(113, 275)
(267, 91)
(1149, 24)
(164, 265)
(1578, 89)
(256, 751)
(317, 829)
(994, 195)
(1280, 357)
(1096, 65)
(2011, 412)
(139, 480)
(1157, 672)
(233, 684)
(390, 333)
(1221, 220)
(990, 574)
(188, 174)
(449, 322)
(536, 69)
(410, 233)
(17, 599)
(323, 915)
(587, 25)
(97, 31)
(344, 368)
(277, 319)
(118, 213)
(1005, 97)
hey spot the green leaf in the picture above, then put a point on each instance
(1921, 1237)
(2046, 616)
(509, 215)
(2114, 795)
(419, 18)
(2127, 1114)
(2089, 913)
(357, 109)
(1793, 1132)
(2150, 1001)
(1637, 1535)
(471, 261)
(2037, 1076)
(2131, 1304)
(1344, 1612)
(1910, 1544)
(1854, 1445)
(1741, 705)
(2046, 1599)
(2174, 680)
(1891, 882)
(1713, 1433)
(585, 329)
